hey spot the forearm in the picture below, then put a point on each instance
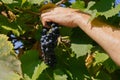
(105, 35)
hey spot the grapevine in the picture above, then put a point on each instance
(53, 52)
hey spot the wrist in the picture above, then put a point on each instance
(81, 19)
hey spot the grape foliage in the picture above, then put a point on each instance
(49, 42)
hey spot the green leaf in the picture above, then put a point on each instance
(80, 43)
(29, 60)
(111, 12)
(81, 49)
(10, 68)
(5, 45)
(26, 77)
(102, 5)
(103, 8)
(65, 31)
(110, 65)
(35, 1)
(90, 4)
(78, 5)
(77, 68)
(8, 1)
(100, 57)
(74, 67)
(23, 1)
(38, 70)
(59, 75)
(102, 75)
(8, 28)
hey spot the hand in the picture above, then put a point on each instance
(62, 16)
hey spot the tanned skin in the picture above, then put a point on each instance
(107, 36)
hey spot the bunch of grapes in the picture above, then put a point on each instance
(48, 43)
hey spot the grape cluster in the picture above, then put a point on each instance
(48, 43)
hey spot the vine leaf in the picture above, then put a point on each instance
(81, 49)
(111, 12)
(10, 66)
(26, 77)
(106, 10)
(23, 1)
(90, 4)
(78, 5)
(30, 59)
(8, 28)
(59, 75)
(6, 46)
(80, 43)
(100, 57)
(102, 75)
(38, 70)
(35, 1)
(110, 65)
(8, 1)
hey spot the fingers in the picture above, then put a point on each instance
(49, 16)
(44, 19)
(62, 16)
(44, 22)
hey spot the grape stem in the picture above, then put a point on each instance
(60, 42)
(27, 11)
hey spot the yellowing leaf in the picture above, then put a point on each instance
(5, 46)
(23, 1)
(10, 68)
(7, 1)
(35, 1)
(11, 29)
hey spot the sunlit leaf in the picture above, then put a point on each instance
(10, 68)
(11, 29)
(8, 1)
(90, 4)
(35, 1)
(81, 49)
(111, 12)
(78, 5)
(59, 75)
(26, 77)
(5, 45)
(100, 57)
(80, 43)
(23, 1)
(38, 70)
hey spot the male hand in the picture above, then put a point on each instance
(62, 16)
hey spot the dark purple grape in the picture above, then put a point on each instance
(48, 43)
